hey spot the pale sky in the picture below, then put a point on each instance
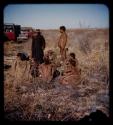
(51, 16)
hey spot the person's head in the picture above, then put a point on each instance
(46, 60)
(62, 29)
(72, 55)
(72, 62)
(51, 55)
(38, 31)
(22, 56)
(66, 49)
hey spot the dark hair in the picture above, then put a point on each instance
(72, 55)
(38, 31)
(23, 56)
(63, 28)
(66, 49)
(46, 60)
(72, 62)
(18, 54)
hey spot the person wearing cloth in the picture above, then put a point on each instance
(38, 46)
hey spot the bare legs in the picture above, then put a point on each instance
(63, 54)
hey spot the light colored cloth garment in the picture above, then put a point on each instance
(20, 70)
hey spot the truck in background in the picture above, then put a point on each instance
(12, 31)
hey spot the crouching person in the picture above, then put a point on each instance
(21, 68)
(71, 73)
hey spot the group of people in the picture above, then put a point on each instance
(44, 64)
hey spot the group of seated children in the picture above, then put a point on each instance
(48, 70)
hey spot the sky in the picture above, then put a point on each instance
(51, 16)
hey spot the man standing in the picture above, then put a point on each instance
(38, 46)
(62, 42)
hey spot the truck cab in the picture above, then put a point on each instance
(12, 31)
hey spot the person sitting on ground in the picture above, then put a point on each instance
(20, 67)
(70, 74)
(46, 70)
(53, 60)
(69, 56)
(73, 56)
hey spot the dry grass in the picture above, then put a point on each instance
(41, 101)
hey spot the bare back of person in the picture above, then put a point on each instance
(46, 72)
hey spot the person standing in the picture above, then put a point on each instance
(62, 42)
(38, 46)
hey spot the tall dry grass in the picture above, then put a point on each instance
(41, 101)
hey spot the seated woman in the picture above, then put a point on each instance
(73, 56)
(71, 73)
(46, 70)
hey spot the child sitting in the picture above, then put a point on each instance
(73, 56)
(71, 73)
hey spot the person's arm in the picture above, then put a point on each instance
(43, 43)
(65, 40)
(59, 42)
